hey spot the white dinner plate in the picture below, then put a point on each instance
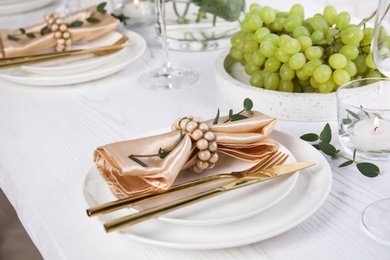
(228, 207)
(12, 7)
(308, 194)
(77, 64)
(121, 60)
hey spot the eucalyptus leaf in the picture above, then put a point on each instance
(76, 24)
(377, 115)
(326, 134)
(248, 105)
(230, 113)
(347, 121)
(162, 154)
(310, 137)
(92, 20)
(22, 30)
(354, 154)
(237, 117)
(346, 163)
(135, 159)
(316, 146)
(13, 38)
(101, 8)
(121, 17)
(327, 148)
(43, 30)
(368, 169)
(216, 119)
(353, 114)
(30, 35)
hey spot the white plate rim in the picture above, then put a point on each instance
(119, 63)
(159, 233)
(23, 6)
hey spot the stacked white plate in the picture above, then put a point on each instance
(78, 69)
(239, 217)
(20, 6)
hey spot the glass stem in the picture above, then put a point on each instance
(161, 10)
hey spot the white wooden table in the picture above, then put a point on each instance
(48, 135)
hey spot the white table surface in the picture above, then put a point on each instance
(48, 135)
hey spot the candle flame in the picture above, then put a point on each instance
(376, 123)
(136, 3)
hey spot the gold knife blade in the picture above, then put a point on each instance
(252, 178)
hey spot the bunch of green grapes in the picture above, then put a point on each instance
(287, 52)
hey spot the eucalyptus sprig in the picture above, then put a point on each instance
(100, 8)
(248, 105)
(325, 137)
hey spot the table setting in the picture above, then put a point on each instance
(155, 129)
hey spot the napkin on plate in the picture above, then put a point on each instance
(245, 139)
(88, 31)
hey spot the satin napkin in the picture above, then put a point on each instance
(87, 32)
(245, 139)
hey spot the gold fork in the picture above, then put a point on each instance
(11, 62)
(276, 158)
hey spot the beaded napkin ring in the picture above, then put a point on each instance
(205, 141)
(60, 32)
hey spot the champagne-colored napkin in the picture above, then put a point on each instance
(88, 31)
(245, 139)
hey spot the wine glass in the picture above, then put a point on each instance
(376, 217)
(67, 6)
(167, 77)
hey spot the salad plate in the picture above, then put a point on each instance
(228, 207)
(305, 198)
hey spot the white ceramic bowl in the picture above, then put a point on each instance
(233, 85)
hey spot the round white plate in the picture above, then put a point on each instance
(121, 60)
(228, 207)
(9, 7)
(310, 191)
(77, 64)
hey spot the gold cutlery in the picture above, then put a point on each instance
(17, 61)
(273, 159)
(256, 177)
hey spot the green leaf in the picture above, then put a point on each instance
(76, 24)
(354, 154)
(327, 148)
(43, 30)
(13, 38)
(101, 8)
(216, 119)
(92, 20)
(352, 114)
(248, 105)
(326, 134)
(180, 137)
(368, 169)
(346, 163)
(162, 154)
(230, 113)
(347, 121)
(121, 17)
(30, 35)
(22, 30)
(310, 137)
(237, 117)
(317, 146)
(135, 159)
(377, 115)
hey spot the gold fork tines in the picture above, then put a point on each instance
(274, 159)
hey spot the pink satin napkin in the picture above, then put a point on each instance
(86, 32)
(245, 139)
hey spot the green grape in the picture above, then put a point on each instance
(278, 24)
(282, 14)
(370, 62)
(272, 64)
(271, 81)
(250, 68)
(314, 83)
(330, 15)
(327, 86)
(291, 46)
(267, 14)
(322, 73)
(367, 38)
(268, 48)
(317, 36)
(257, 79)
(283, 38)
(374, 74)
(249, 46)
(297, 9)
(337, 61)
(350, 68)
(297, 61)
(360, 63)
(306, 23)
(297, 87)
(292, 22)
(260, 34)
(341, 77)
(304, 82)
(281, 55)
(254, 9)
(301, 31)
(237, 54)
(254, 22)
(272, 37)
(245, 26)
(301, 74)
(342, 20)
(305, 42)
(286, 86)
(352, 35)
(310, 67)
(286, 73)
(237, 39)
(318, 23)
(349, 51)
(314, 53)
(308, 89)
(249, 36)
(258, 58)
(248, 57)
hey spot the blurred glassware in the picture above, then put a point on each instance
(134, 13)
(67, 6)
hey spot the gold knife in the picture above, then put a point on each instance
(255, 177)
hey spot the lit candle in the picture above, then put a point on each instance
(371, 134)
(138, 10)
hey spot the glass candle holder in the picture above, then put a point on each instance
(363, 113)
(135, 13)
